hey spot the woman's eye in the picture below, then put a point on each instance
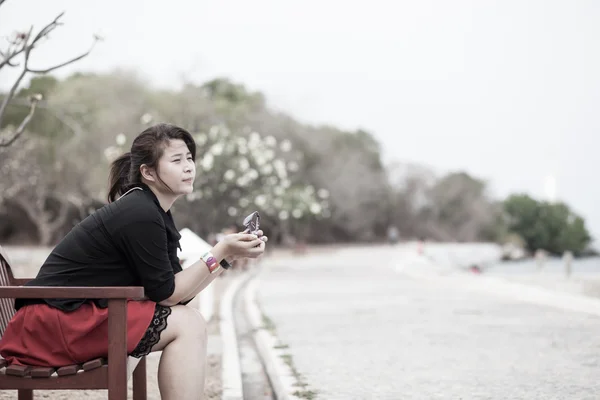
(190, 159)
(176, 160)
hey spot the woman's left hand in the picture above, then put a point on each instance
(260, 235)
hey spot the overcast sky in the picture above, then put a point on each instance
(506, 90)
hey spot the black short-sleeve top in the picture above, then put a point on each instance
(129, 242)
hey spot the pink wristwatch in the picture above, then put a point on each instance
(211, 262)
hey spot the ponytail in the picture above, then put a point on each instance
(119, 177)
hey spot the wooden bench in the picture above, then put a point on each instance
(110, 373)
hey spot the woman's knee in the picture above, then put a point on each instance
(183, 323)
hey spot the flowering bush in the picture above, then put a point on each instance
(247, 171)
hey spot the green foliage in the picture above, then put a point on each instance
(549, 226)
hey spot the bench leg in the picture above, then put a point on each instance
(25, 394)
(139, 381)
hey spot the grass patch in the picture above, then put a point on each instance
(305, 394)
(268, 324)
(302, 392)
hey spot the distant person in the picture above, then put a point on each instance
(393, 234)
(132, 241)
(421, 246)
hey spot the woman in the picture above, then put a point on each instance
(131, 241)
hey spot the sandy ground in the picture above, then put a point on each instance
(26, 262)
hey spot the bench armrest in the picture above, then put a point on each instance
(73, 292)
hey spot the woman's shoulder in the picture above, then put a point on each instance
(136, 206)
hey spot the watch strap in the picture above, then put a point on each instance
(225, 264)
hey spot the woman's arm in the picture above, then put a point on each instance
(202, 285)
(213, 276)
(188, 281)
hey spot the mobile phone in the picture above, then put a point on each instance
(252, 222)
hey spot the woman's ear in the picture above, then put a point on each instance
(147, 173)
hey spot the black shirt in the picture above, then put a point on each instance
(129, 242)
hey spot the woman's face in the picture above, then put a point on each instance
(177, 169)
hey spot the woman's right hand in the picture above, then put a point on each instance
(243, 245)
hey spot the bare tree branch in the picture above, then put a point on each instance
(21, 128)
(50, 69)
(15, 85)
(23, 45)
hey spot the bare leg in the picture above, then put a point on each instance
(182, 368)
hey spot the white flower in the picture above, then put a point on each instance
(267, 169)
(207, 162)
(241, 181)
(260, 200)
(269, 154)
(280, 168)
(244, 164)
(229, 175)
(285, 145)
(283, 215)
(232, 211)
(293, 166)
(200, 139)
(111, 153)
(270, 141)
(297, 213)
(252, 174)
(323, 193)
(315, 208)
(254, 138)
(121, 139)
(244, 202)
(146, 119)
(260, 160)
(217, 148)
(285, 183)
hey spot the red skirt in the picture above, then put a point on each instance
(41, 335)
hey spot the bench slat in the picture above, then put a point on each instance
(68, 370)
(42, 372)
(93, 364)
(18, 370)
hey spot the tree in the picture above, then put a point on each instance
(543, 225)
(458, 209)
(43, 191)
(20, 46)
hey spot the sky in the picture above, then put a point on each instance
(507, 90)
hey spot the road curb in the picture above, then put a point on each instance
(280, 375)
(231, 371)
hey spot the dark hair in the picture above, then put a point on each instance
(147, 148)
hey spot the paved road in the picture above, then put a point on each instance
(360, 327)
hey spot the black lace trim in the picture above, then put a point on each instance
(152, 335)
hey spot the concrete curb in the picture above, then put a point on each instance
(231, 372)
(280, 375)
